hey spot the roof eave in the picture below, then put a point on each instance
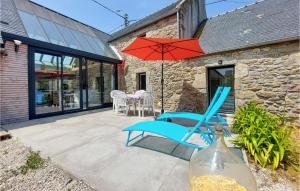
(47, 45)
(254, 45)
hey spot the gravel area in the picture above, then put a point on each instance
(48, 177)
(268, 182)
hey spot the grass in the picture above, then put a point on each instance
(33, 161)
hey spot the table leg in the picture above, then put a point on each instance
(134, 103)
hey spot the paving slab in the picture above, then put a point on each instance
(90, 145)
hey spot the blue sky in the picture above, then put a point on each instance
(92, 14)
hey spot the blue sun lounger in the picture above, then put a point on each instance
(196, 116)
(180, 133)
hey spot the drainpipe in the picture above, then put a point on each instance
(178, 8)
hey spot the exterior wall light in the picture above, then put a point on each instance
(220, 62)
(17, 45)
(3, 52)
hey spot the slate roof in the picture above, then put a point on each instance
(264, 22)
(163, 13)
(11, 22)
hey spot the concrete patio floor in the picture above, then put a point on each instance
(90, 146)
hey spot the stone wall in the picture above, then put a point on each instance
(268, 74)
(14, 85)
(127, 73)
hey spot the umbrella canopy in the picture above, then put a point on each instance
(164, 49)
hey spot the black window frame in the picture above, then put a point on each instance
(139, 80)
(31, 81)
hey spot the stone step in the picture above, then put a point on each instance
(4, 135)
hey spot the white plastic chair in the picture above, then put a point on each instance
(147, 102)
(113, 95)
(121, 102)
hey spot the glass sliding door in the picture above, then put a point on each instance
(47, 71)
(60, 83)
(71, 83)
(223, 76)
(94, 83)
(108, 82)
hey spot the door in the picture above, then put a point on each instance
(94, 83)
(71, 83)
(222, 76)
(47, 75)
(142, 81)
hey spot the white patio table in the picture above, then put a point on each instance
(136, 100)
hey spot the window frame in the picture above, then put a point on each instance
(208, 85)
(139, 80)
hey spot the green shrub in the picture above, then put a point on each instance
(265, 136)
(33, 161)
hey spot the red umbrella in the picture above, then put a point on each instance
(164, 49)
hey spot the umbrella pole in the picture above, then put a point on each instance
(162, 80)
(162, 87)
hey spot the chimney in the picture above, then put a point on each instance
(190, 15)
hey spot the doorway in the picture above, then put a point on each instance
(222, 76)
(60, 83)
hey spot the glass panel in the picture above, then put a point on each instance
(104, 49)
(222, 77)
(92, 44)
(84, 84)
(99, 43)
(32, 26)
(94, 83)
(142, 81)
(68, 36)
(109, 82)
(71, 83)
(83, 41)
(52, 32)
(47, 83)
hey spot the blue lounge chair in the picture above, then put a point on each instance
(196, 116)
(180, 133)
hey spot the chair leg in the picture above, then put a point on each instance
(127, 108)
(129, 135)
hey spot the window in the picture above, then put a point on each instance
(83, 41)
(68, 36)
(223, 76)
(141, 81)
(142, 35)
(71, 83)
(52, 32)
(33, 27)
(94, 83)
(47, 83)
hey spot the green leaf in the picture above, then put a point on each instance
(281, 152)
(275, 160)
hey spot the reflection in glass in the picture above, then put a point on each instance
(94, 83)
(84, 83)
(109, 81)
(68, 36)
(47, 83)
(83, 41)
(71, 83)
(33, 27)
(52, 32)
(222, 77)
